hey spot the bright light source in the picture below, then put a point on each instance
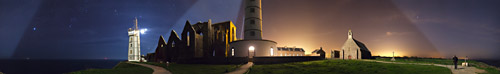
(143, 31)
(272, 52)
(251, 48)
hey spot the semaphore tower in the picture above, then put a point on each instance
(134, 44)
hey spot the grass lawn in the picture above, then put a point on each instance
(480, 65)
(195, 68)
(120, 68)
(346, 67)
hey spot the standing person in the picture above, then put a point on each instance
(455, 60)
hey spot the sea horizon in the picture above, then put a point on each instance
(53, 66)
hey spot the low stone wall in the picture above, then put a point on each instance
(284, 59)
(243, 60)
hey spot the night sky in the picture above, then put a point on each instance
(97, 29)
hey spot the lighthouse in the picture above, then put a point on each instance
(134, 44)
(253, 20)
(252, 44)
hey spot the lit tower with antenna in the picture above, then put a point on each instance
(134, 44)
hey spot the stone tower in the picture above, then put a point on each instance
(252, 44)
(253, 20)
(134, 44)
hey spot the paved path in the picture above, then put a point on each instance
(460, 70)
(242, 69)
(157, 70)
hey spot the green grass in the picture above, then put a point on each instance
(479, 65)
(346, 67)
(195, 68)
(120, 68)
(426, 60)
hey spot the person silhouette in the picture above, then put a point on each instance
(455, 60)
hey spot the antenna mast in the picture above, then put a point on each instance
(136, 28)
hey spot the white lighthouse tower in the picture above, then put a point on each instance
(134, 44)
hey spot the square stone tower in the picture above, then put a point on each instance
(134, 44)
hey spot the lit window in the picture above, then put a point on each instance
(161, 45)
(232, 52)
(272, 52)
(187, 38)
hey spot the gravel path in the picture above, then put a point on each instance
(157, 70)
(242, 69)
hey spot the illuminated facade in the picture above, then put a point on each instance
(354, 49)
(289, 51)
(134, 44)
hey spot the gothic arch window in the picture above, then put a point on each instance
(173, 44)
(187, 36)
(213, 54)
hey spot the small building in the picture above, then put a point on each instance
(354, 49)
(318, 52)
(289, 51)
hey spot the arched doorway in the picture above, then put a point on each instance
(251, 53)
